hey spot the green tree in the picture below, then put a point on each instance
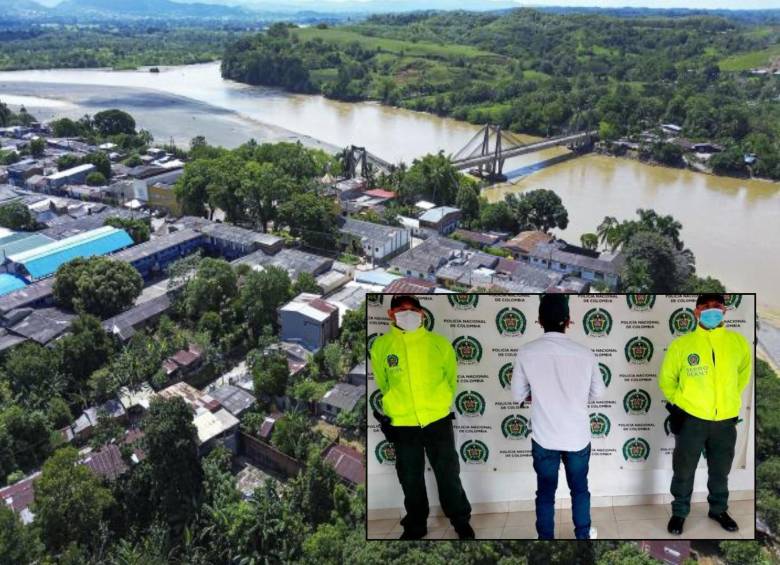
(65, 127)
(171, 447)
(261, 294)
(34, 374)
(744, 553)
(138, 228)
(85, 349)
(653, 264)
(311, 218)
(96, 178)
(113, 122)
(70, 502)
(101, 161)
(431, 177)
(498, 217)
(311, 492)
(16, 216)
(37, 147)
(100, 286)
(59, 413)
(292, 434)
(262, 185)
(29, 432)
(270, 372)
(211, 289)
(18, 543)
(467, 200)
(305, 283)
(589, 241)
(539, 209)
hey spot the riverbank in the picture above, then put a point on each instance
(169, 117)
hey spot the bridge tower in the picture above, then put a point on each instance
(355, 158)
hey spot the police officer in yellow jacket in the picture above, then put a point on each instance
(416, 371)
(702, 377)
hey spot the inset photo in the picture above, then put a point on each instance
(556, 416)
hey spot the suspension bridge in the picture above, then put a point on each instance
(484, 154)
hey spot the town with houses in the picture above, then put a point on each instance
(429, 252)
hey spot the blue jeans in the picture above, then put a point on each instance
(546, 464)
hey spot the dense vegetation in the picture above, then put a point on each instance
(116, 45)
(540, 73)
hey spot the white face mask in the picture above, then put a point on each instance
(408, 320)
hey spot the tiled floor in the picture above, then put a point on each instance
(618, 522)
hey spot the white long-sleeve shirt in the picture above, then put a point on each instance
(562, 377)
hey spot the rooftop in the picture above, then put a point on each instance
(563, 253)
(238, 234)
(525, 241)
(310, 305)
(210, 419)
(371, 231)
(39, 290)
(10, 283)
(428, 256)
(410, 285)
(157, 244)
(22, 241)
(43, 325)
(235, 400)
(46, 259)
(293, 261)
(67, 173)
(347, 462)
(124, 324)
(436, 215)
(344, 396)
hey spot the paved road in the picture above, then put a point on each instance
(769, 340)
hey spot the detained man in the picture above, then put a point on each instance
(562, 377)
(702, 377)
(416, 371)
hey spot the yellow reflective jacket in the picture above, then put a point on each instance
(417, 374)
(705, 371)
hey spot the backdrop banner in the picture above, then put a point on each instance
(629, 335)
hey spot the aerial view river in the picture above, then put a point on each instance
(731, 225)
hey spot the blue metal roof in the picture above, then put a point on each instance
(46, 259)
(21, 241)
(10, 283)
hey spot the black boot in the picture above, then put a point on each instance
(465, 531)
(675, 525)
(726, 521)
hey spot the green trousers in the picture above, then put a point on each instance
(717, 439)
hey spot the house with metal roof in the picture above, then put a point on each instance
(74, 175)
(443, 219)
(348, 464)
(232, 241)
(18, 242)
(44, 261)
(10, 283)
(377, 241)
(425, 259)
(153, 256)
(584, 263)
(294, 261)
(214, 424)
(309, 320)
(343, 397)
(235, 400)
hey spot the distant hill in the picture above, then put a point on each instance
(21, 8)
(146, 9)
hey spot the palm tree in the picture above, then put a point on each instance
(607, 231)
